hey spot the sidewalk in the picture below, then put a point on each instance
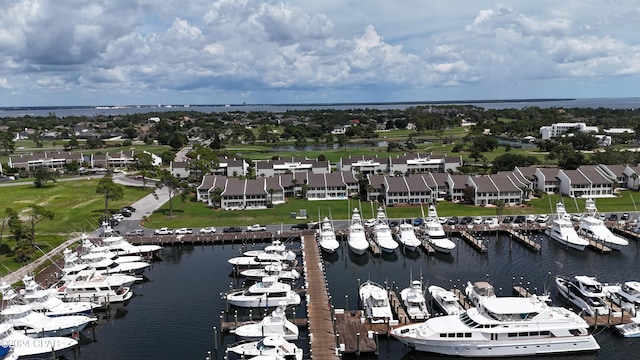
(145, 207)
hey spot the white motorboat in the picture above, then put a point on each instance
(592, 227)
(121, 246)
(326, 236)
(630, 330)
(25, 347)
(105, 264)
(627, 296)
(585, 292)
(35, 324)
(414, 302)
(434, 232)
(375, 300)
(501, 327)
(89, 247)
(267, 293)
(382, 233)
(407, 237)
(75, 267)
(45, 300)
(97, 288)
(247, 262)
(270, 345)
(275, 324)
(274, 250)
(478, 292)
(562, 230)
(446, 300)
(276, 270)
(357, 238)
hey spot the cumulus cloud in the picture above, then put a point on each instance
(137, 49)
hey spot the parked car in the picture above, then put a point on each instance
(466, 220)
(370, 222)
(418, 222)
(452, 220)
(393, 223)
(135, 232)
(208, 230)
(118, 217)
(519, 219)
(301, 226)
(114, 222)
(256, 227)
(507, 219)
(183, 231)
(126, 213)
(613, 217)
(531, 218)
(542, 218)
(232, 229)
(163, 231)
(477, 220)
(130, 208)
(624, 216)
(443, 220)
(576, 217)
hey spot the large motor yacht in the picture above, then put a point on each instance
(585, 292)
(267, 293)
(505, 326)
(357, 238)
(592, 227)
(562, 230)
(435, 234)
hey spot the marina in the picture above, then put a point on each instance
(330, 319)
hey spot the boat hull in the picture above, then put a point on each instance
(565, 242)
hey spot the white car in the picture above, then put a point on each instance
(183, 231)
(542, 218)
(477, 220)
(370, 222)
(531, 218)
(256, 227)
(443, 220)
(208, 230)
(576, 217)
(163, 231)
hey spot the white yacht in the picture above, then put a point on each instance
(630, 330)
(102, 262)
(407, 236)
(562, 230)
(267, 293)
(121, 246)
(276, 250)
(25, 347)
(382, 233)
(276, 270)
(414, 302)
(627, 296)
(35, 324)
(357, 238)
(326, 236)
(275, 324)
(479, 291)
(446, 300)
(270, 345)
(97, 288)
(45, 300)
(375, 300)
(501, 327)
(89, 247)
(435, 234)
(585, 292)
(592, 227)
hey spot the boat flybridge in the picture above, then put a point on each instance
(563, 232)
(504, 326)
(375, 300)
(435, 234)
(382, 233)
(357, 238)
(407, 236)
(327, 237)
(414, 301)
(592, 227)
(446, 300)
(479, 291)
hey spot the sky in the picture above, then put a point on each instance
(150, 52)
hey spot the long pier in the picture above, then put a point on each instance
(322, 338)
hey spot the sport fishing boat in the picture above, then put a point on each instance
(435, 234)
(407, 236)
(326, 236)
(585, 292)
(275, 324)
(414, 302)
(35, 324)
(382, 233)
(446, 300)
(592, 227)
(25, 347)
(277, 270)
(270, 345)
(375, 300)
(267, 293)
(357, 238)
(563, 232)
(118, 244)
(275, 250)
(501, 327)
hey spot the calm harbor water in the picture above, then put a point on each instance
(173, 313)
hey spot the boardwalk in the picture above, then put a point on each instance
(321, 331)
(523, 239)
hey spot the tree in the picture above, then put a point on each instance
(145, 166)
(173, 184)
(7, 144)
(42, 175)
(111, 191)
(38, 213)
(499, 208)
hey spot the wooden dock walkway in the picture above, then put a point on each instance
(322, 338)
(461, 298)
(398, 308)
(356, 336)
(598, 246)
(523, 239)
(427, 247)
(375, 249)
(475, 243)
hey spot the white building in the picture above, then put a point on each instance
(555, 130)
